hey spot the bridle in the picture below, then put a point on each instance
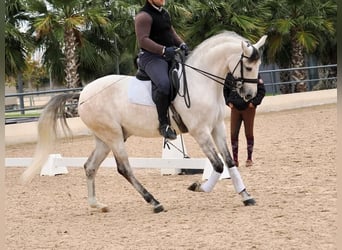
(238, 82)
(230, 81)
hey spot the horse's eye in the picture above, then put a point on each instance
(249, 68)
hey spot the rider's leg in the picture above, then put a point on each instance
(162, 102)
(157, 70)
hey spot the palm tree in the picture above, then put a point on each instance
(58, 26)
(17, 43)
(180, 15)
(122, 15)
(327, 48)
(297, 27)
(210, 17)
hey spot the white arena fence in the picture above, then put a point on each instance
(173, 159)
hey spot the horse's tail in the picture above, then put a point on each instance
(47, 132)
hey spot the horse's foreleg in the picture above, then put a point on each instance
(208, 148)
(219, 137)
(91, 166)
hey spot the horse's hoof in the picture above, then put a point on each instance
(196, 187)
(104, 209)
(249, 202)
(159, 208)
(100, 207)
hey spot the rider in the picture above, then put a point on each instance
(158, 42)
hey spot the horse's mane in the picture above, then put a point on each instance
(223, 38)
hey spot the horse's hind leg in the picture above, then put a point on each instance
(126, 171)
(91, 166)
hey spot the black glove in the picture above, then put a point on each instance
(185, 48)
(169, 53)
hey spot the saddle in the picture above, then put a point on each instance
(173, 76)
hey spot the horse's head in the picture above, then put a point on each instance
(243, 75)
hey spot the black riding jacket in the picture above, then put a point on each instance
(231, 96)
(161, 26)
(154, 30)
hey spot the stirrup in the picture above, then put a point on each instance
(167, 132)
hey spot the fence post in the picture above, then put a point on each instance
(21, 97)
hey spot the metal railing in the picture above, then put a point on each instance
(273, 83)
(271, 80)
(31, 101)
(37, 93)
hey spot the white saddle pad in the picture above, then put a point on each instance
(140, 92)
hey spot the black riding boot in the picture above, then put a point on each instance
(162, 102)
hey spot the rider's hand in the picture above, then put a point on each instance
(185, 48)
(169, 53)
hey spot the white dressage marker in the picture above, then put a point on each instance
(177, 150)
(173, 150)
(51, 168)
(208, 169)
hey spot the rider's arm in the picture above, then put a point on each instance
(143, 22)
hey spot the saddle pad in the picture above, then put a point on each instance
(139, 92)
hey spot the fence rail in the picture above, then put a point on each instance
(273, 83)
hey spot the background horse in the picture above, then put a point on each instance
(106, 110)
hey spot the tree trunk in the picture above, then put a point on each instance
(297, 61)
(285, 88)
(71, 59)
(50, 79)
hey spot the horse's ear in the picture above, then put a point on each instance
(247, 48)
(261, 42)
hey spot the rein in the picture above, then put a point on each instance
(185, 95)
(207, 74)
(229, 77)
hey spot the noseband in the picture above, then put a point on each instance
(238, 82)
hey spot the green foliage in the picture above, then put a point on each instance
(17, 43)
(106, 41)
(312, 23)
(34, 74)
